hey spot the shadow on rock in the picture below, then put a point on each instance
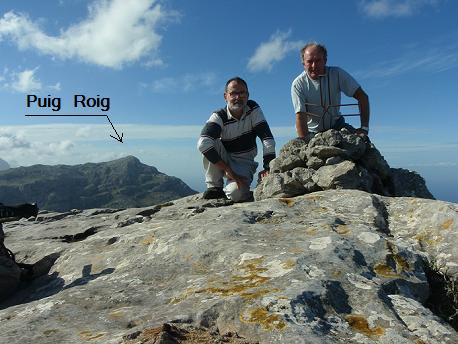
(49, 285)
(87, 276)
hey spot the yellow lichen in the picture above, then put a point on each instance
(336, 273)
(295, 250)
(310, 231)
(265, 319)
(50, 332)
(359, 323)
(88, 335)
(385, 271)
(116, 314)
(447, 224)
(342, 229)
(428, 239)
(258, 293)
(401, 263)
(148, 240)
(289, 264)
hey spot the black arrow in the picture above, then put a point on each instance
(118, 138)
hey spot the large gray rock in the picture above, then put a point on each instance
(337, 266)
(344, 175)
(341, 159)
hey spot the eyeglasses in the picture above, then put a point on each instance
(235, 94)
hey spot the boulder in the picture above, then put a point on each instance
(336, 266)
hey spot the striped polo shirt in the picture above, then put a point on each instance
(238, 136)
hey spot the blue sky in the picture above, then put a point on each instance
(163, 64)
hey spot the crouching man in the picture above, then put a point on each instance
(228, 144)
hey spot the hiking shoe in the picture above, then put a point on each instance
(214, 193)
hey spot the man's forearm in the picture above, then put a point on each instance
(364, 108)
(301, 124)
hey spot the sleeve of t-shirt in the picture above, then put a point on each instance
(298, 96)
(347, 83)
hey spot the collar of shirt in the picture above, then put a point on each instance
(229, 115)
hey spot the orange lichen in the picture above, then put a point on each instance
(267, 321)
(288, 201)
(359, 323)
(241, 284)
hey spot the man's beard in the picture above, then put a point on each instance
(236, 106)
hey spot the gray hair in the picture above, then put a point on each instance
(320, 47)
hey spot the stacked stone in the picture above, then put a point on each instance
(336, 160)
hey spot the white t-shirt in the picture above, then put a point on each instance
(321, 93)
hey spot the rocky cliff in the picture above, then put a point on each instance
(121, 183)
(336, 266)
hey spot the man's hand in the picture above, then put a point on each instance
(361, 132)
(241, 181)
(262, 174)
(230, 174)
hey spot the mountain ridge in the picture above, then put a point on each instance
(121, 183)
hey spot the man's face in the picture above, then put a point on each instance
(236, 97)
(314, 62)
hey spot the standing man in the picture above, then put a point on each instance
(316, 94)
(228, 144)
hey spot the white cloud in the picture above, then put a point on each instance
(394, 8)
(115, 32)
(439, 57)
(184, 83)
(273, 51)
(10, 141)
(24, 149)
(26, 81)
(55, 87)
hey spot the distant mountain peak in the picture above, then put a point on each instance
(4, 165)
(122, 183)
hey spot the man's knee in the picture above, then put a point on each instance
(236, 194)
